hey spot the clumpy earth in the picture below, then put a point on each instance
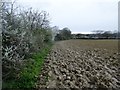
(81, 64)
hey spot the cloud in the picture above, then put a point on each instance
(80, 15)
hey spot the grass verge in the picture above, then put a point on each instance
(29, 75)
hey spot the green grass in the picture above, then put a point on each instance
(29, 75)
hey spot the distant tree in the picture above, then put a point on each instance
(78, 35)
(98, 33)
(107, 34)
(64, 34)
(58, 37)
(55, 31)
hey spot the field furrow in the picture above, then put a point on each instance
(82, 63)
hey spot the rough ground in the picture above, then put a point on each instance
(80, 64)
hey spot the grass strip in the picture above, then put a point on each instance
(29, 75)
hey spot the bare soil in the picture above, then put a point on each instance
(82, 64)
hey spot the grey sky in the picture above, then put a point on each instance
(81, 16)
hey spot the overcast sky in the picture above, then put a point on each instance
(81, 16)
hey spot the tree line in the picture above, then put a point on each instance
(98, 34)
(24, 32)
(65, 34)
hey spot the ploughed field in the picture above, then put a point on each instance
(82, 63)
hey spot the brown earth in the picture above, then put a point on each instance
(82, 64)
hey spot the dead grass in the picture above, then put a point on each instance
(91, 44)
